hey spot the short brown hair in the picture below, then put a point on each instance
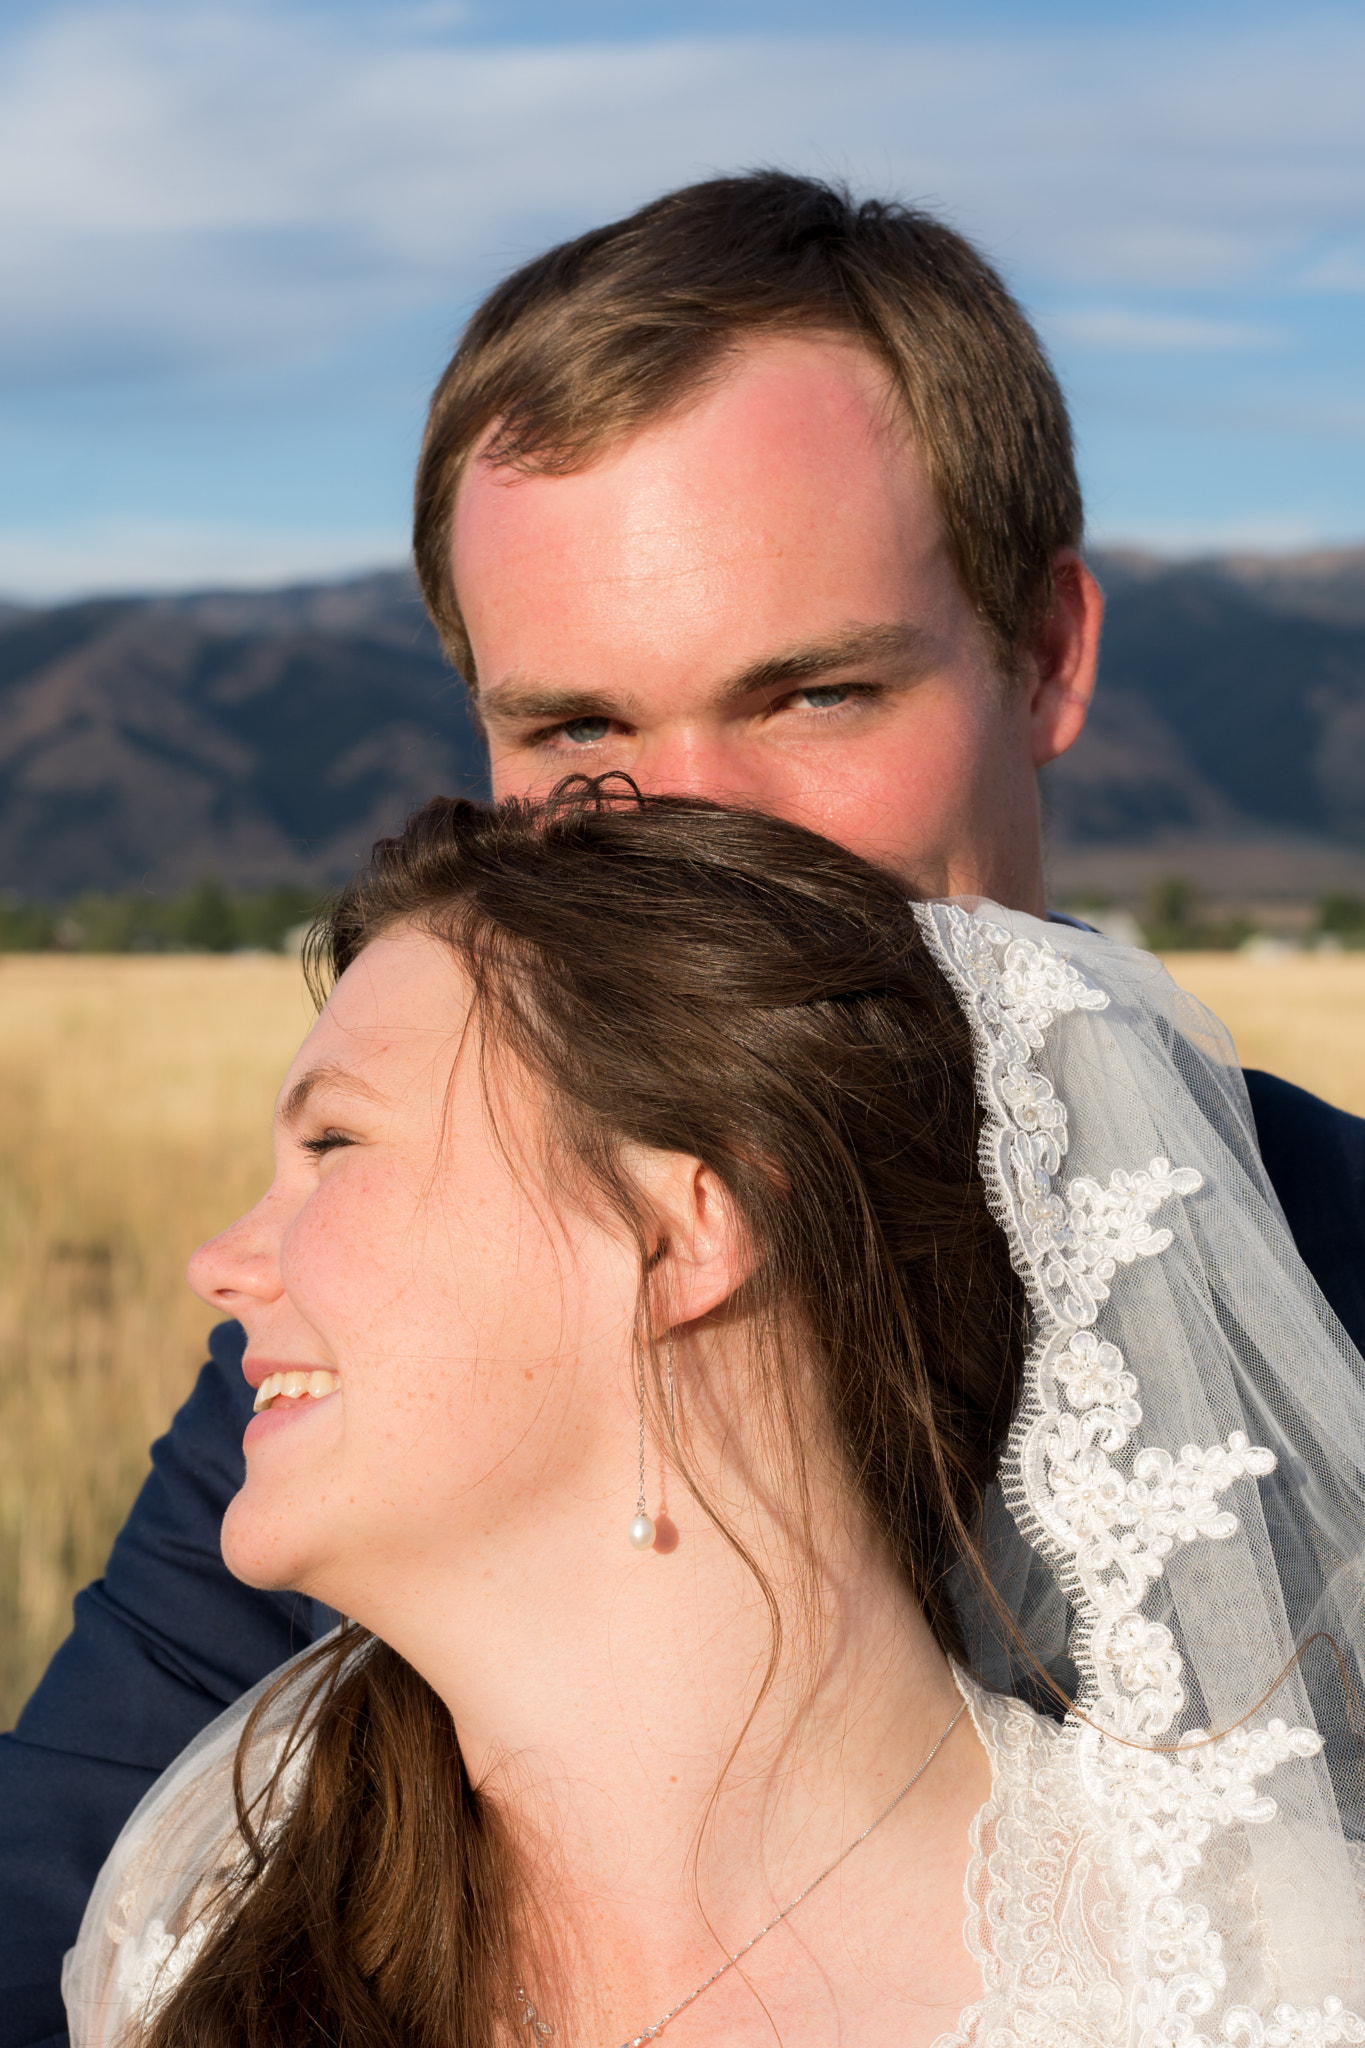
(597, 337)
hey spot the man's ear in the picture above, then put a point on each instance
(701, 1255)
(1063, 659)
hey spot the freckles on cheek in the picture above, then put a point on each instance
(345, 1258)
(932, 764)
(891, 790)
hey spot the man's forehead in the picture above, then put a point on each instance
(778, 411)
(738, 534)
(836, 377)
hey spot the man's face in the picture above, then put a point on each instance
(752, 600)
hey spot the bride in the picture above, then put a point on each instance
(848, 1504)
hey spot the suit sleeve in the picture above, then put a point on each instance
(1315, 1157)
(160, 1645)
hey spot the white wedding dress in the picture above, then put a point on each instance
(1044, 1913)
(1178, 1526)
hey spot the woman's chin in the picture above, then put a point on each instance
(263, 1551)
(271, 1528)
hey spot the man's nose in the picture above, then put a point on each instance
(688, 760)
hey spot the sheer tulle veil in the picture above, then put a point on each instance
(1179, 1525)
(1177, 1533)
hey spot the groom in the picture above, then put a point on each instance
(756, 495)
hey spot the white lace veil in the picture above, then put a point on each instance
(179, 1857)
(1179, 1527)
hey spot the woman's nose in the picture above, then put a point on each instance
(241, 1264)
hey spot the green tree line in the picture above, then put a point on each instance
(204, 919)
(1174, 917)
(209, 919)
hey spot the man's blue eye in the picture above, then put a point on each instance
(825, 699)
(583, 731)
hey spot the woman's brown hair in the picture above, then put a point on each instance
(727, 986)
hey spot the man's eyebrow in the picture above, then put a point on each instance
(522, 698)
(906, 645)
(549, 704)
(329, 1072)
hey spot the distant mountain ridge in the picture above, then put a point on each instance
(1232, 697)
(265, 736)
(256, 736)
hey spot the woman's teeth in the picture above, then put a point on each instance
(292, 1386)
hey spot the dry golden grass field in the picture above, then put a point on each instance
(135, 1101)
(135, 1098)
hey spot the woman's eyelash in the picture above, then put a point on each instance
(329, 1141)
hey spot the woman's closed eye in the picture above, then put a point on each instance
(326, 1141)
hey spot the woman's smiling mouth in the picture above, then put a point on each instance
(295, 1386)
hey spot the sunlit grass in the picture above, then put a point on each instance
(1302, 1017)
(135, 1100)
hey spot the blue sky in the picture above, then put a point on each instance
(237, 240)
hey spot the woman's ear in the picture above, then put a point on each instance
(701, 1256)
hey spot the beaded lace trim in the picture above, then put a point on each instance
(1106, 1512)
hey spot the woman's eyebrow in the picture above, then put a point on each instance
(333, 1075)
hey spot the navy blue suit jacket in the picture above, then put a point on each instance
(167, 1639)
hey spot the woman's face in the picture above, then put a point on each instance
(465, 1335)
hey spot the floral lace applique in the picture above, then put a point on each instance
(1108, 1513)
(154, 1965)
(154, 1951)
(1040, 1896)
(1292, 2026)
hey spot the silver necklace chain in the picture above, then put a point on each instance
(542, 2030)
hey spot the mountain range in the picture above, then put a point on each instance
(256, 737)
(271, 736)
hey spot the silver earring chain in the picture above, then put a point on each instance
(640, 1508)
(642, 1531)
(542, 2030)
(672, 1415)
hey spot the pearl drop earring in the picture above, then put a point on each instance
(641, 1530)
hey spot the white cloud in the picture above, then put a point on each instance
(1254, 533)
(246, 183)
(1339, 270)
(40, 565)
(1128, 327)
